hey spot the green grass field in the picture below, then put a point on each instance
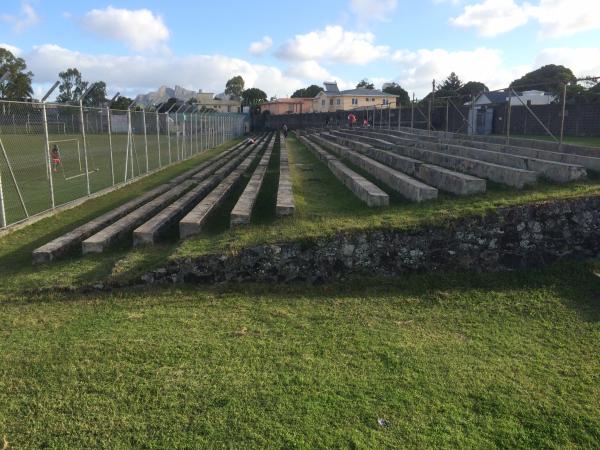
(27, 157)
(446, 359)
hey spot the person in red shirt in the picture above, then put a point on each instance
(351, 119)
(55, 158)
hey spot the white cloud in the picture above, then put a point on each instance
(309, 70)
(566, 17)
(26, 19)
(132, 75)
(369, 10)
(333, 44)
(260, 47)
(11, 48)
(419, 68)
(555, 17)
(139, 29)
(492, 17)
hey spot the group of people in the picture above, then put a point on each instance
(352, 121)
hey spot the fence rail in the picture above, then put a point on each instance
(54, 154)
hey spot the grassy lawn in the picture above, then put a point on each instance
(447, 360)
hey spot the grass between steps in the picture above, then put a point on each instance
(446, 360)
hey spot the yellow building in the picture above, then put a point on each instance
(220, 103)
(332, 99)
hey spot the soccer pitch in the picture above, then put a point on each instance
(27, 167)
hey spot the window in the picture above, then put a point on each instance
(367, 98)
(385, 101)
(331, 102)
(372, 99)
(322, 102)
(338, 101)
(355, 101)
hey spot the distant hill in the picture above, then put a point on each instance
(163, 94)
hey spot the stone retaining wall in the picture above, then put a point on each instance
(507, 238)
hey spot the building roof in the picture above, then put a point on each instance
(331, 88)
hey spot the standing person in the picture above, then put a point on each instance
(55, 158)
(351, 119)
(366, 123)
(285, 130)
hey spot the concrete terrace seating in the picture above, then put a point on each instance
(119, 229)
(555, 171)
(360, 186)
(242, 211)
(406, 186)
(149, 232)
(498, 173)
(64, 243)
(285, 196)
(439, 177)
(194, 221)
(59, 246)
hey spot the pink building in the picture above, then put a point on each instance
(288, 106)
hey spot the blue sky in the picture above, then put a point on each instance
(136, 46)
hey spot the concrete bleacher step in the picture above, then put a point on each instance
(358, 185)
(242, 211)
(192, 172)
(285, 195)
(62, 244)
(438, 177)
(559, 172)
(406, 186)
(151, 230)
(193, 222)
(103, 239)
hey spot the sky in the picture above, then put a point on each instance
(136, 46)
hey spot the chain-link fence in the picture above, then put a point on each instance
(565, 113)
(53, 154)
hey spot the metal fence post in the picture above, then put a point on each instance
(177, 133)
(562, 116)
(158, 138)
(447, 116)
(508, 119)
(412, 112)
(47, 156)
(2, 209)
(110, 146)
(168, 120)
(85, 156)
(145, 139)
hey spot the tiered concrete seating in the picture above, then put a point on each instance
(285, 196)
(150, 231)
(359, 185)
(100, 241)
(72, 239)
(241, 213)
(439, 177)
(406, 186)
(194, 221)
(498, 173)
(558, 172)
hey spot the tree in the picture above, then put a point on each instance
(450, 87)
(234, 86)
(253, 97)
(71, 86)
(396, 89)
(18, 87)
(167, 105)
(364, 83)
(310, 92)
(550, 78)
(121, 103)
(97, 95)
(472, 89)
